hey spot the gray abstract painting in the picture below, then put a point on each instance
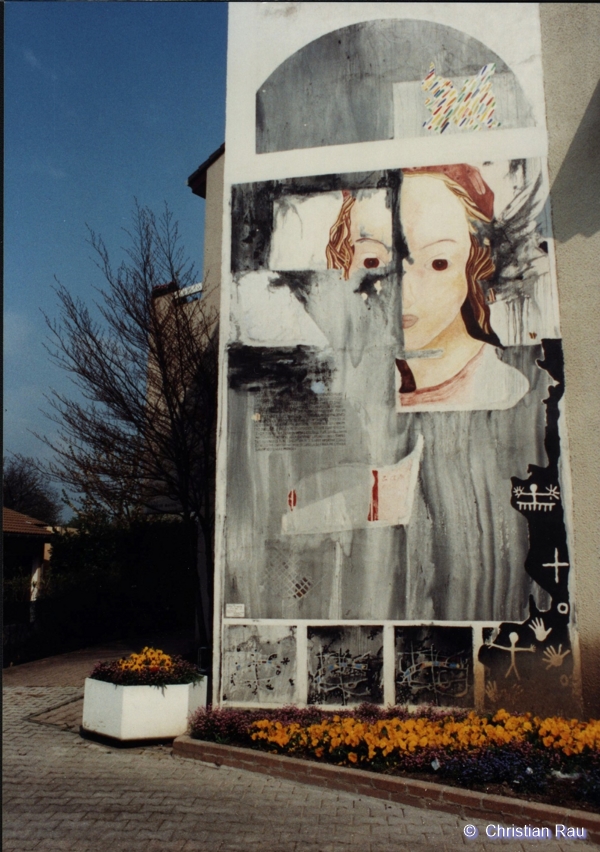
(363, 83)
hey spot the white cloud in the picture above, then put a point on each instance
(31, 59)
(58, 174)
(46, 169)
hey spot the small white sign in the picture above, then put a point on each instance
(235, 610)
(191, 290)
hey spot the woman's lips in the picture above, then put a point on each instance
(408, 320)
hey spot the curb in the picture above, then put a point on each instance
(467, 804)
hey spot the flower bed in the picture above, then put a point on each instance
(553, 759)
(151, 667)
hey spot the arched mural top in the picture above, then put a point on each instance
(385, 79)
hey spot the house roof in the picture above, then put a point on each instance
(16, 523)
(197, 180)
(163, 289)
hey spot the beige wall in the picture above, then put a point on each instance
(213, 233)
(571, 57)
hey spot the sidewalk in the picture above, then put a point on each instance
(72, 669)
(65, 793)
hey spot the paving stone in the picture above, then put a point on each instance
(62, 792)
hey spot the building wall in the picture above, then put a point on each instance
(571, 58)
(461, 565)
(213, 233)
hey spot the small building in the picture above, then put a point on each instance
(27, 549)
(207, 182)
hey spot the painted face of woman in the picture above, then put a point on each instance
(434, 282)
(371, 233)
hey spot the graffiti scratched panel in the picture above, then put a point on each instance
(345, 665)
(259, 664)
(434, 665)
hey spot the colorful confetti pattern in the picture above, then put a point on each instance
(470, 109)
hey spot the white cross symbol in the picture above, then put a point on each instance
(556, 565)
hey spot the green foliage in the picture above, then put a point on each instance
(109, 581)
(17, 588)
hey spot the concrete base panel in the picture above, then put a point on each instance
(140, 712)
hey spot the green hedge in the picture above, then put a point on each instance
(109, 582)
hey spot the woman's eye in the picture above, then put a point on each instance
(440, 264)
(371, 262)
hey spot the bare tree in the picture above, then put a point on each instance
(26, 490)
(140, 434)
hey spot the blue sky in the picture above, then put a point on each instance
(104, 102)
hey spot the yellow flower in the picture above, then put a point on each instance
(390, 737)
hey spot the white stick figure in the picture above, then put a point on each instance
(533, 501)
(514, 638)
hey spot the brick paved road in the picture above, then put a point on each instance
(71, 669)
(62, 792)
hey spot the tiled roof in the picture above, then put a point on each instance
(19, 524)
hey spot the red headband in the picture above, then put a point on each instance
(471, 181)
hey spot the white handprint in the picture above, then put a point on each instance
(539, 628)
(491, 690)
(553, 659)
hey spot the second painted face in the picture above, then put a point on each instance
(371, 231)
(434, 281)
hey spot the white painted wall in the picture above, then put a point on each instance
(280, 29)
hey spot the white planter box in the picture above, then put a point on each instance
(140, 712)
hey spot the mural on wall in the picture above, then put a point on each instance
(471, 107)
(434, 665)
(259, 664)
(394, 376)
(394, 60)
(344, 665)
(514, 652)
(388, 434)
